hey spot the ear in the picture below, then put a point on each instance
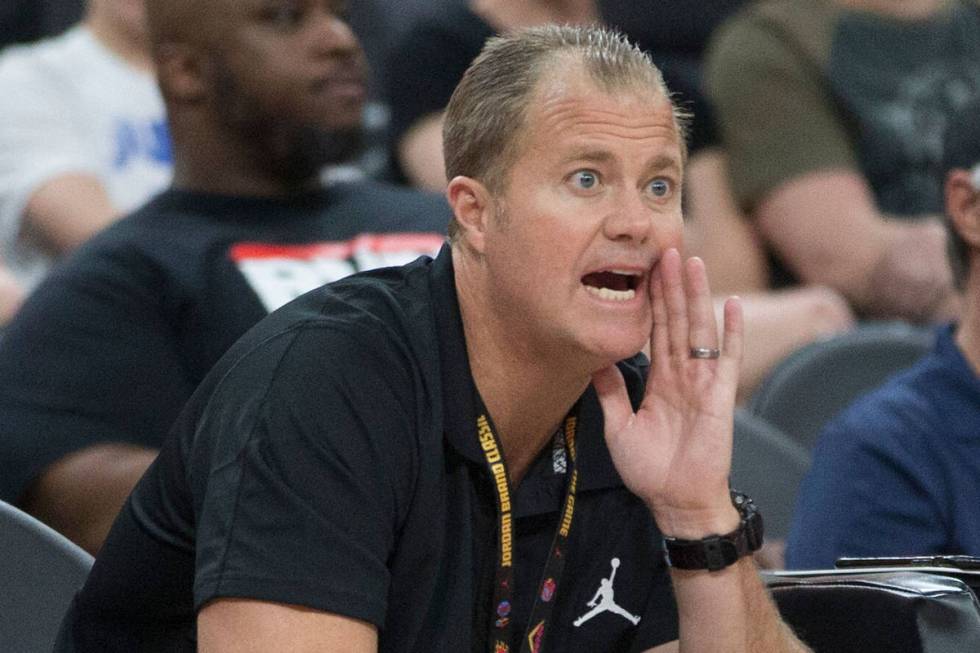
(963, 206)
(472, 205)
(181, 74)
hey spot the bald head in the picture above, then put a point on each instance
(272, 84)
(182, 21)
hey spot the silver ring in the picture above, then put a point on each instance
(705, 353)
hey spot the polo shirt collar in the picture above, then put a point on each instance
(595, 466)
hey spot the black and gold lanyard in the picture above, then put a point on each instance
(504, 578)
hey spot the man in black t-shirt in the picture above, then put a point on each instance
(460, 454)
(103, 356)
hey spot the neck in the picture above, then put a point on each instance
(526, 392)
(132, 48)
(968, 329)
(506, 14)
(207, 159)
(901, 9)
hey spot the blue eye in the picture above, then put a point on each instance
(585, 179)
(660, 187)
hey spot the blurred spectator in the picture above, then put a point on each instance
(832, 112)
(426, 65)
(83, 136)
(428, 62)
(11, 296)
(101, 358)
(22, 21)
(898, 473)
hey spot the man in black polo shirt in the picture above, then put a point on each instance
(413, 459)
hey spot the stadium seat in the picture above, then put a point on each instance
(893, 612)
(813, 384)
(768, 466)
(40, 571)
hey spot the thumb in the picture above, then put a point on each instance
(611, 390)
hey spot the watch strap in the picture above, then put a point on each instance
(715, 552)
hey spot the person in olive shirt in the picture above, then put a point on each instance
(832, 114)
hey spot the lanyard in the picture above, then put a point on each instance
(503, 591)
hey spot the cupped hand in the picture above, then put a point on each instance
(675, 451)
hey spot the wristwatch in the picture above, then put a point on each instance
(718, 551)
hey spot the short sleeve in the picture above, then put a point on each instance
(40, 139)
(91, 357)
(304, 465)
(873, 490)
(776, 113)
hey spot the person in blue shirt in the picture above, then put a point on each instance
(898, 473)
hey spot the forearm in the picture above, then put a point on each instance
(11, 296)
(81, 494)
(912, 278)
(718, 232)
(777, 323)
(729, 610)
(827, 229)
(68, 210)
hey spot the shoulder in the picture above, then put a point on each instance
(903, 414)
(798, 26)
(366, 321)
(45, 60)
(383, 205)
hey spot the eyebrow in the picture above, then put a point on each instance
(660, 162)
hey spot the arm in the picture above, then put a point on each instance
(320, 464)
(826, 227)
(420, 153)
(49, 185)
(779, 322)
(776, 323)
(91, 377)
(717, 231)
(675, 454)
(11, 296)
(241, 625)
(66, 210)
(108, 472)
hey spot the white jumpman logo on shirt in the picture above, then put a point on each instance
(603, 600)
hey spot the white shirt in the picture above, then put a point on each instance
(69, 105)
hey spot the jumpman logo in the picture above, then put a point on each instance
(603, 600)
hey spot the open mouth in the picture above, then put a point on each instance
(614, 285)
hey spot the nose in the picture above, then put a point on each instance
(630, 220)
(333, 36)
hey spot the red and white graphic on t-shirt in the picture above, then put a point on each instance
(281, 273)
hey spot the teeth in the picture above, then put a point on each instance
(614, 295)
(625, 273)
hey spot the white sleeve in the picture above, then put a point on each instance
(40, 138)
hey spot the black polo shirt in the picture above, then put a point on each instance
(331, 460)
